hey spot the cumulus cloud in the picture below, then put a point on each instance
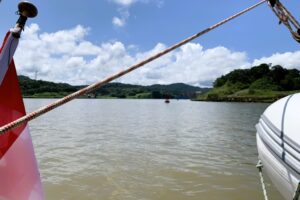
(190, 64)
(66, 56)
(287, 59)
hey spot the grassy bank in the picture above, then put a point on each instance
(245, 95)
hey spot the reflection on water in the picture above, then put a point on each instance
(146, 149)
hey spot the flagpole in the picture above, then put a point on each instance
(25, 10)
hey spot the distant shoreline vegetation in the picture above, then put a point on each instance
(45, 89)
(263, 83)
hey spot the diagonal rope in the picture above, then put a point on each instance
(4, 129)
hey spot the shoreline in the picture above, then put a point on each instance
(257, 96)
(229, 100)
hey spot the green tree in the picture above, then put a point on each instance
(220, 81)
(156, 95)
(258, 72)
(278, 73)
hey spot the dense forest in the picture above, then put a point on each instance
(259, 83)
(45, 89)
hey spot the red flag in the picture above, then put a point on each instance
(19, 176)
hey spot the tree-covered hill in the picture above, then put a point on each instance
(177, 90)
(46, 89)
(260, 83)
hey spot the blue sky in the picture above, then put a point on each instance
(80, 42)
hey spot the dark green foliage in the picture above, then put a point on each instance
(297, 82)
(220, 81)
(261, 83)
(38, 88)
(290, 80)
(119, 90)
(176, 90)
(262, 77)
(239, 76)
(156, 95)
(31, 87)
(278, 74)
(258, 72)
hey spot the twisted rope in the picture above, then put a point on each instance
(259, 166)
(291, 17)
(287, 19)
(4, 129)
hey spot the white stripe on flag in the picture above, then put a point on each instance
(6, 55)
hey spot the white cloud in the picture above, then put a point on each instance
(128, 3)
(124, 2)
(118, 22)
(288, 59)
(66, 56)
(123, 9)
(189, 64)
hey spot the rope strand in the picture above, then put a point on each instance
(287, 19)
(259, 166)
(4, 129)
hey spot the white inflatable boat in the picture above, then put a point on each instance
(278, 144)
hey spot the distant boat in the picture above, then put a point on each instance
(278, 144)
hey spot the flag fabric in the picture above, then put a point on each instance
(19, 175)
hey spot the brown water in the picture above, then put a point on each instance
(148, 150)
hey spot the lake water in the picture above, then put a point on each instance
(148, 150)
